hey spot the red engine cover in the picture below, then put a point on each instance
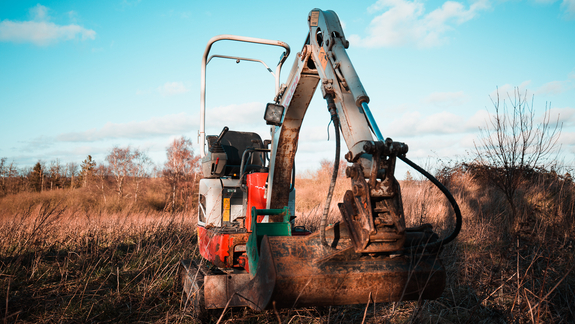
(219, 248)
(225, 250)
(256, 183)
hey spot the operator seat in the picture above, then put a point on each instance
(234, 144)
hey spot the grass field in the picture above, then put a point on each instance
(62, 261)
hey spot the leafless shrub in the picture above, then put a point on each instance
(513, 144)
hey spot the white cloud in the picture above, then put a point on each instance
(446, 99)
(569, 7)
(479, 119)
(40, 31)
(39, 12)
(554, 87)
(317, 133)
(406, 23)
(414, 123)
(236, 115)
(172, 88)
(549, 88)
(158, 126)
(38, 143)
(468, 141)
(568, 138)
(72, 15)
(443, 122)
(507, 90)
(563, 116)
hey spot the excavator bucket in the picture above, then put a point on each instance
(297, 271)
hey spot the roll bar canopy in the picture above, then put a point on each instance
(206, 60)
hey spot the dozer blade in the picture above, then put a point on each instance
(300, 271)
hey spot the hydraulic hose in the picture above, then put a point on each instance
(448, 195)
(335, 119)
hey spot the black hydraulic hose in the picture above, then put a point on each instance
(335, 119)
(448, 195)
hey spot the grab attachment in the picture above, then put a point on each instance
(373, 209)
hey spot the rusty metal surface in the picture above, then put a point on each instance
(207, 289)
(218, 289)
(376, 222)
(191, 277)
(299, 271)
(311, 275)
(285, 146)
(257, 293)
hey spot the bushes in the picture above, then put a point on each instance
(91, 199)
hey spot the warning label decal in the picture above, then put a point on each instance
(314, 19)
(323, 58)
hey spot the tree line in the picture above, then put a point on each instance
(123, 175)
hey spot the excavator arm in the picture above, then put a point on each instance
(373, 207)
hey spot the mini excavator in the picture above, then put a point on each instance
(256, 256)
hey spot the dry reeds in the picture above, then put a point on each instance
(66, 258)
(499, 270)
(67, 266)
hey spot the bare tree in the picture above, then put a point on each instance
(71, 172)
(120, 161)
(12, 180)
(101, 173)
(180, 170)
(125, 163)
(513, 144)
(55, 171)
(4, 177)
(140, 171)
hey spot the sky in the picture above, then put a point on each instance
(80, 77)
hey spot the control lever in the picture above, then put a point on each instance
(216, 145)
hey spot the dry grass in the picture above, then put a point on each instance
(63, 266)
(498, 272)
(91, 199)
(65, 259)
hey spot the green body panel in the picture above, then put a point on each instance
(259, 230)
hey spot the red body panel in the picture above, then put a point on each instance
(217, 247)
(256, 183)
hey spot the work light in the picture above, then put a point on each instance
(274, 114)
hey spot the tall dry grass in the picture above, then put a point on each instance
(59, 265)
(311, 191)
(91, 199)
(498, 271)
(67, 258)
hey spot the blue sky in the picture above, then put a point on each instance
(78, 77)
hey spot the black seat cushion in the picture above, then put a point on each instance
(234, 144)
